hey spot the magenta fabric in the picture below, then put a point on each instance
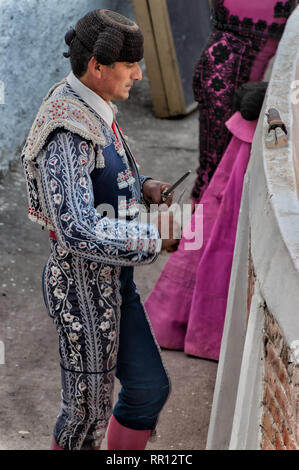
(187, 305)
(244, 38)
(256, 15)
(227, 62)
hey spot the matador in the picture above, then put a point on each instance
(78, 167)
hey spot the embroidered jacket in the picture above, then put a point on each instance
(73, 163)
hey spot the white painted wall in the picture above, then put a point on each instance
(31, 46)
(270, 214)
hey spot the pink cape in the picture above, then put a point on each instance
(187, 305)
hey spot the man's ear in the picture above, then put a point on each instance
(94, 66)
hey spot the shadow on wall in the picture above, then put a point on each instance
(31, 46)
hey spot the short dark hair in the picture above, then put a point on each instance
(79, 56)
(249, 99)
(106, 35)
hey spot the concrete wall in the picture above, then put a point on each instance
(256, 398)
(31, 46)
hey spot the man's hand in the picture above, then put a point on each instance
(170, 231)
(152, 190)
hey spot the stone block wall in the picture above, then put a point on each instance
(280, 405)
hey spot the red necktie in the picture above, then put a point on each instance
(114, 129)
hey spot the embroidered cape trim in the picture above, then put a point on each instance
(66, 112)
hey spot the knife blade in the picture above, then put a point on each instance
(167, 191)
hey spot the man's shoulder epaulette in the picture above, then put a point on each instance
(58, 111)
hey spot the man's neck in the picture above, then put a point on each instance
(93, 88)
(93, 99)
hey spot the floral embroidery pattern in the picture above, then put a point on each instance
(119, 148)
(101, 239)
(224, 65)
(220, 53)
(125, 179)
(61, 112)
(99, 306)
(128, 208)
(217, 84)
(224, 20)
(283, 9)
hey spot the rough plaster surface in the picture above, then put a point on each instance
(268, 231)
(31, 46)
(274, 207)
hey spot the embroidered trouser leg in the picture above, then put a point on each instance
(145, 384)
(84, 416)
(84, 300)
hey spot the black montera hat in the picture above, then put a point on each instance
(110, 36)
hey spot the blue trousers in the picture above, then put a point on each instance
(145, 384)
(87, 395)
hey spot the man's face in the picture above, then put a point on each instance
(114, 82)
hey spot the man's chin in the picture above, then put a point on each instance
(123, 97)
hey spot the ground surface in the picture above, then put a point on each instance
(30, 377)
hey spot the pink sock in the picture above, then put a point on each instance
(121, 438)
(54, 445)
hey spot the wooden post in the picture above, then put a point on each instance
(151, 56)
(163, 70)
